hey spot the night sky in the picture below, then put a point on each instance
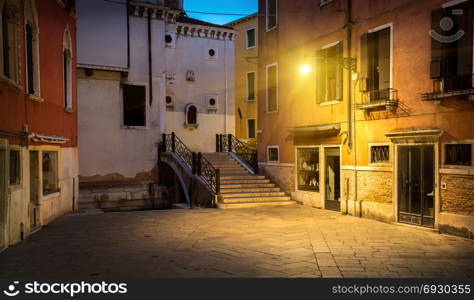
(243, 7)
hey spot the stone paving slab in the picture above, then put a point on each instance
(292, 242)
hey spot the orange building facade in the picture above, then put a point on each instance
(366, 107)
(38, 115)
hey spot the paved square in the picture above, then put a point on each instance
(293, 241)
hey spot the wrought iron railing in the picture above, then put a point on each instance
(229, 143)
(375, 98)
(450, 86)
(196, 162)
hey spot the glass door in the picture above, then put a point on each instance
(332, 179)
(416, 185)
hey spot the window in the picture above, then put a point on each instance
(379, 154)
(15, 167)
(251, 86)
(308, 169)
(458, 154)
(272, 88)
(191, 115)
(67, 69)
(134, 105)
(9, 40)
(271, 14)
(31, 40)
(375, 64)
(251, 38)
(329, 74)
(50, 172)
(273, 154)
(451, 46)
(251, 128)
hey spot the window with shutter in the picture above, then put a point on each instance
(329, 73)
(272, 88)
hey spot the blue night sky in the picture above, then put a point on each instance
(244, 7)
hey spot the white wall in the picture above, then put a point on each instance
(102, 33)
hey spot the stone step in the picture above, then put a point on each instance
(247, 176)
(256, 199)
(234, 168)
(254, 204)
(247, 185)
(242, 181)
(249, 190)
(253, 195)
(230, 172)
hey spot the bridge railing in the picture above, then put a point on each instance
(196, 162)
(229, 143)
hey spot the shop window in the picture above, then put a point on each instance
(251, 128)
(379, 154)
(50, 172)
(251, 38)
(272, 88)
(458, 154)
(15, 167)
(329, 74)
(273, 154)
(308, 169)
(271, 14)
(251, 86)
(134, 105)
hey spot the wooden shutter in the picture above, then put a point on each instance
(364, 63)
(339, 71)
(436, 65)
(320, 71)
(464, 53)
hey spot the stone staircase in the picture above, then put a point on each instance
(239, 188)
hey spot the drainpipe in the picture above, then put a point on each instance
(128, 34)
(150, 60)
(225, 85)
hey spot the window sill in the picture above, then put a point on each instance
(191, 126)
(324, 2)
(326, 103)
(271, 29)
(271, 112)
(10, 82)
(249, 48)
(69, 110)
(251, 100)
(15, 187)
(35, 98)
(134, 127)
(456, 170)
(51, 195)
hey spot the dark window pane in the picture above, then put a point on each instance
(308, 169)
(251, 128)
(251, 86)
(251, 38)
(134, 100)
(192, 115)
(15, 167)
(271, 13)
(6, 43)
(29, 59)
(458, 154)
(273, 154)
(379, 154)
(272, 89)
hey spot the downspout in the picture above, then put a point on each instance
(350, 111)
(225, 85)
(150, 60)
(128, 34)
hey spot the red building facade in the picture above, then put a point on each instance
(38, 115)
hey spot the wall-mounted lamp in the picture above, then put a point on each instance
(305, 69)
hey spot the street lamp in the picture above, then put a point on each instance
(305, 69)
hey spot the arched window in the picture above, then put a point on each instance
(191, 115)
(32, 51)
(8, 53)
(67, 69)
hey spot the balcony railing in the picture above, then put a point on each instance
(449, 87)
(229, 143)
(195, 162)
(386, 98)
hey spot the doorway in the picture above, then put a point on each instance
(34, 186)
(416, 176)
(332, 179)
(3, 197)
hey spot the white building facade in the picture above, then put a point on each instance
(145, 69)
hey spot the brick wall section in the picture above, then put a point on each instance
(374, 186)
(458, 197)
(282, 176)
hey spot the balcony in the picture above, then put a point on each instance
(379, 99)
(453, 86)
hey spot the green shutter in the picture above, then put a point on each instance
(364, 63)
(320, 71)
(339, 71)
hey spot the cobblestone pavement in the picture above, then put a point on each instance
(294, 241)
